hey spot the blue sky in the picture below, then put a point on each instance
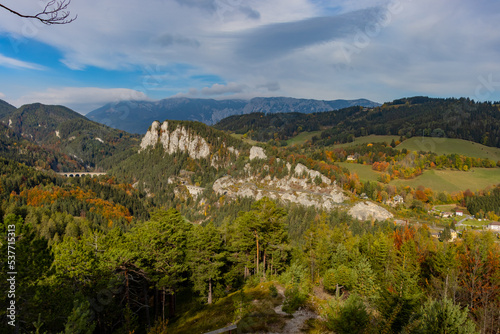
(377, 49)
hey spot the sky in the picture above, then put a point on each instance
(319, 49)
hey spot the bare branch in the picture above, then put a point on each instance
(54, 12)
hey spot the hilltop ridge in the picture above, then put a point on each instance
(136, 116)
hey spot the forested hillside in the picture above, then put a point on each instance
(98, 266)
(417, 116)
(71, 141)
(5, 108)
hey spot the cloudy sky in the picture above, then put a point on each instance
(153, 49)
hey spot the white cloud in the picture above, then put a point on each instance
(81, 99)
(2, 95)
(287, 46)
(216, 90)
(15, 63)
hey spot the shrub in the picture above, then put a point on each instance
(273, 291)
(351, 318)
(294, 299)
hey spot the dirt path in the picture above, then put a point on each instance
(295, 324)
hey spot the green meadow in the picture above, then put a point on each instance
(302, 137)
(438, 180)
(365, 172)
(451, 180)
(445, 146)
(367, 140)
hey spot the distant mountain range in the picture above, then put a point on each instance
(137, 116)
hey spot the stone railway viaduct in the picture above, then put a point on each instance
(79, 174)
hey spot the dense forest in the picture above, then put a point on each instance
(99, 262)
(417, 116)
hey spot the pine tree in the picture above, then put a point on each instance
(81, 320)
(443, 317)
(159, 247)
(206, 258)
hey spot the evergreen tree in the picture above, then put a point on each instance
(351, 318)
(81, 320)
(443, 317)
(159, 247)
(205, 258)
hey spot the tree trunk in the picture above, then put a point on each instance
(209, 291)
(446, 287)
(163, 305)
(257, 239)
(146, 301)
(127, 289)
(264, 263)
(156, 303)
(171, 311)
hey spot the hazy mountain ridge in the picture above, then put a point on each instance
(136, 116)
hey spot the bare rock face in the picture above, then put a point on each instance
(368, 211)
(301, 169)
(288, 189)
(233, 151)
(151, 137)
(175, 139)
(257, 153)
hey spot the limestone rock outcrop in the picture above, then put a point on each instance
(175, 138)
(288, 189)
(257, 152)
(368, 210)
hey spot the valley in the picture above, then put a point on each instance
(270, 222)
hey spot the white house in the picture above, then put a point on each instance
(459, 213)
(494, 226)
(398, 199)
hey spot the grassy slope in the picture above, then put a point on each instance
(450, 181)
(365, 172)
(302, 137)
(367, 140)
(438, 180)
(448, 146)
(246, 140)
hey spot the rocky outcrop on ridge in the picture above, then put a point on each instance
(294, 188)
(175, 138)
(257, 152)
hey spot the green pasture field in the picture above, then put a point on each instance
(246, 140)
(302, 137)
(451, 181)
(367, 140)
(438, 180)
(365, 172)
(445, 146)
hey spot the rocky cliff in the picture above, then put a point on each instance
(295, 188)
(175, 138)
